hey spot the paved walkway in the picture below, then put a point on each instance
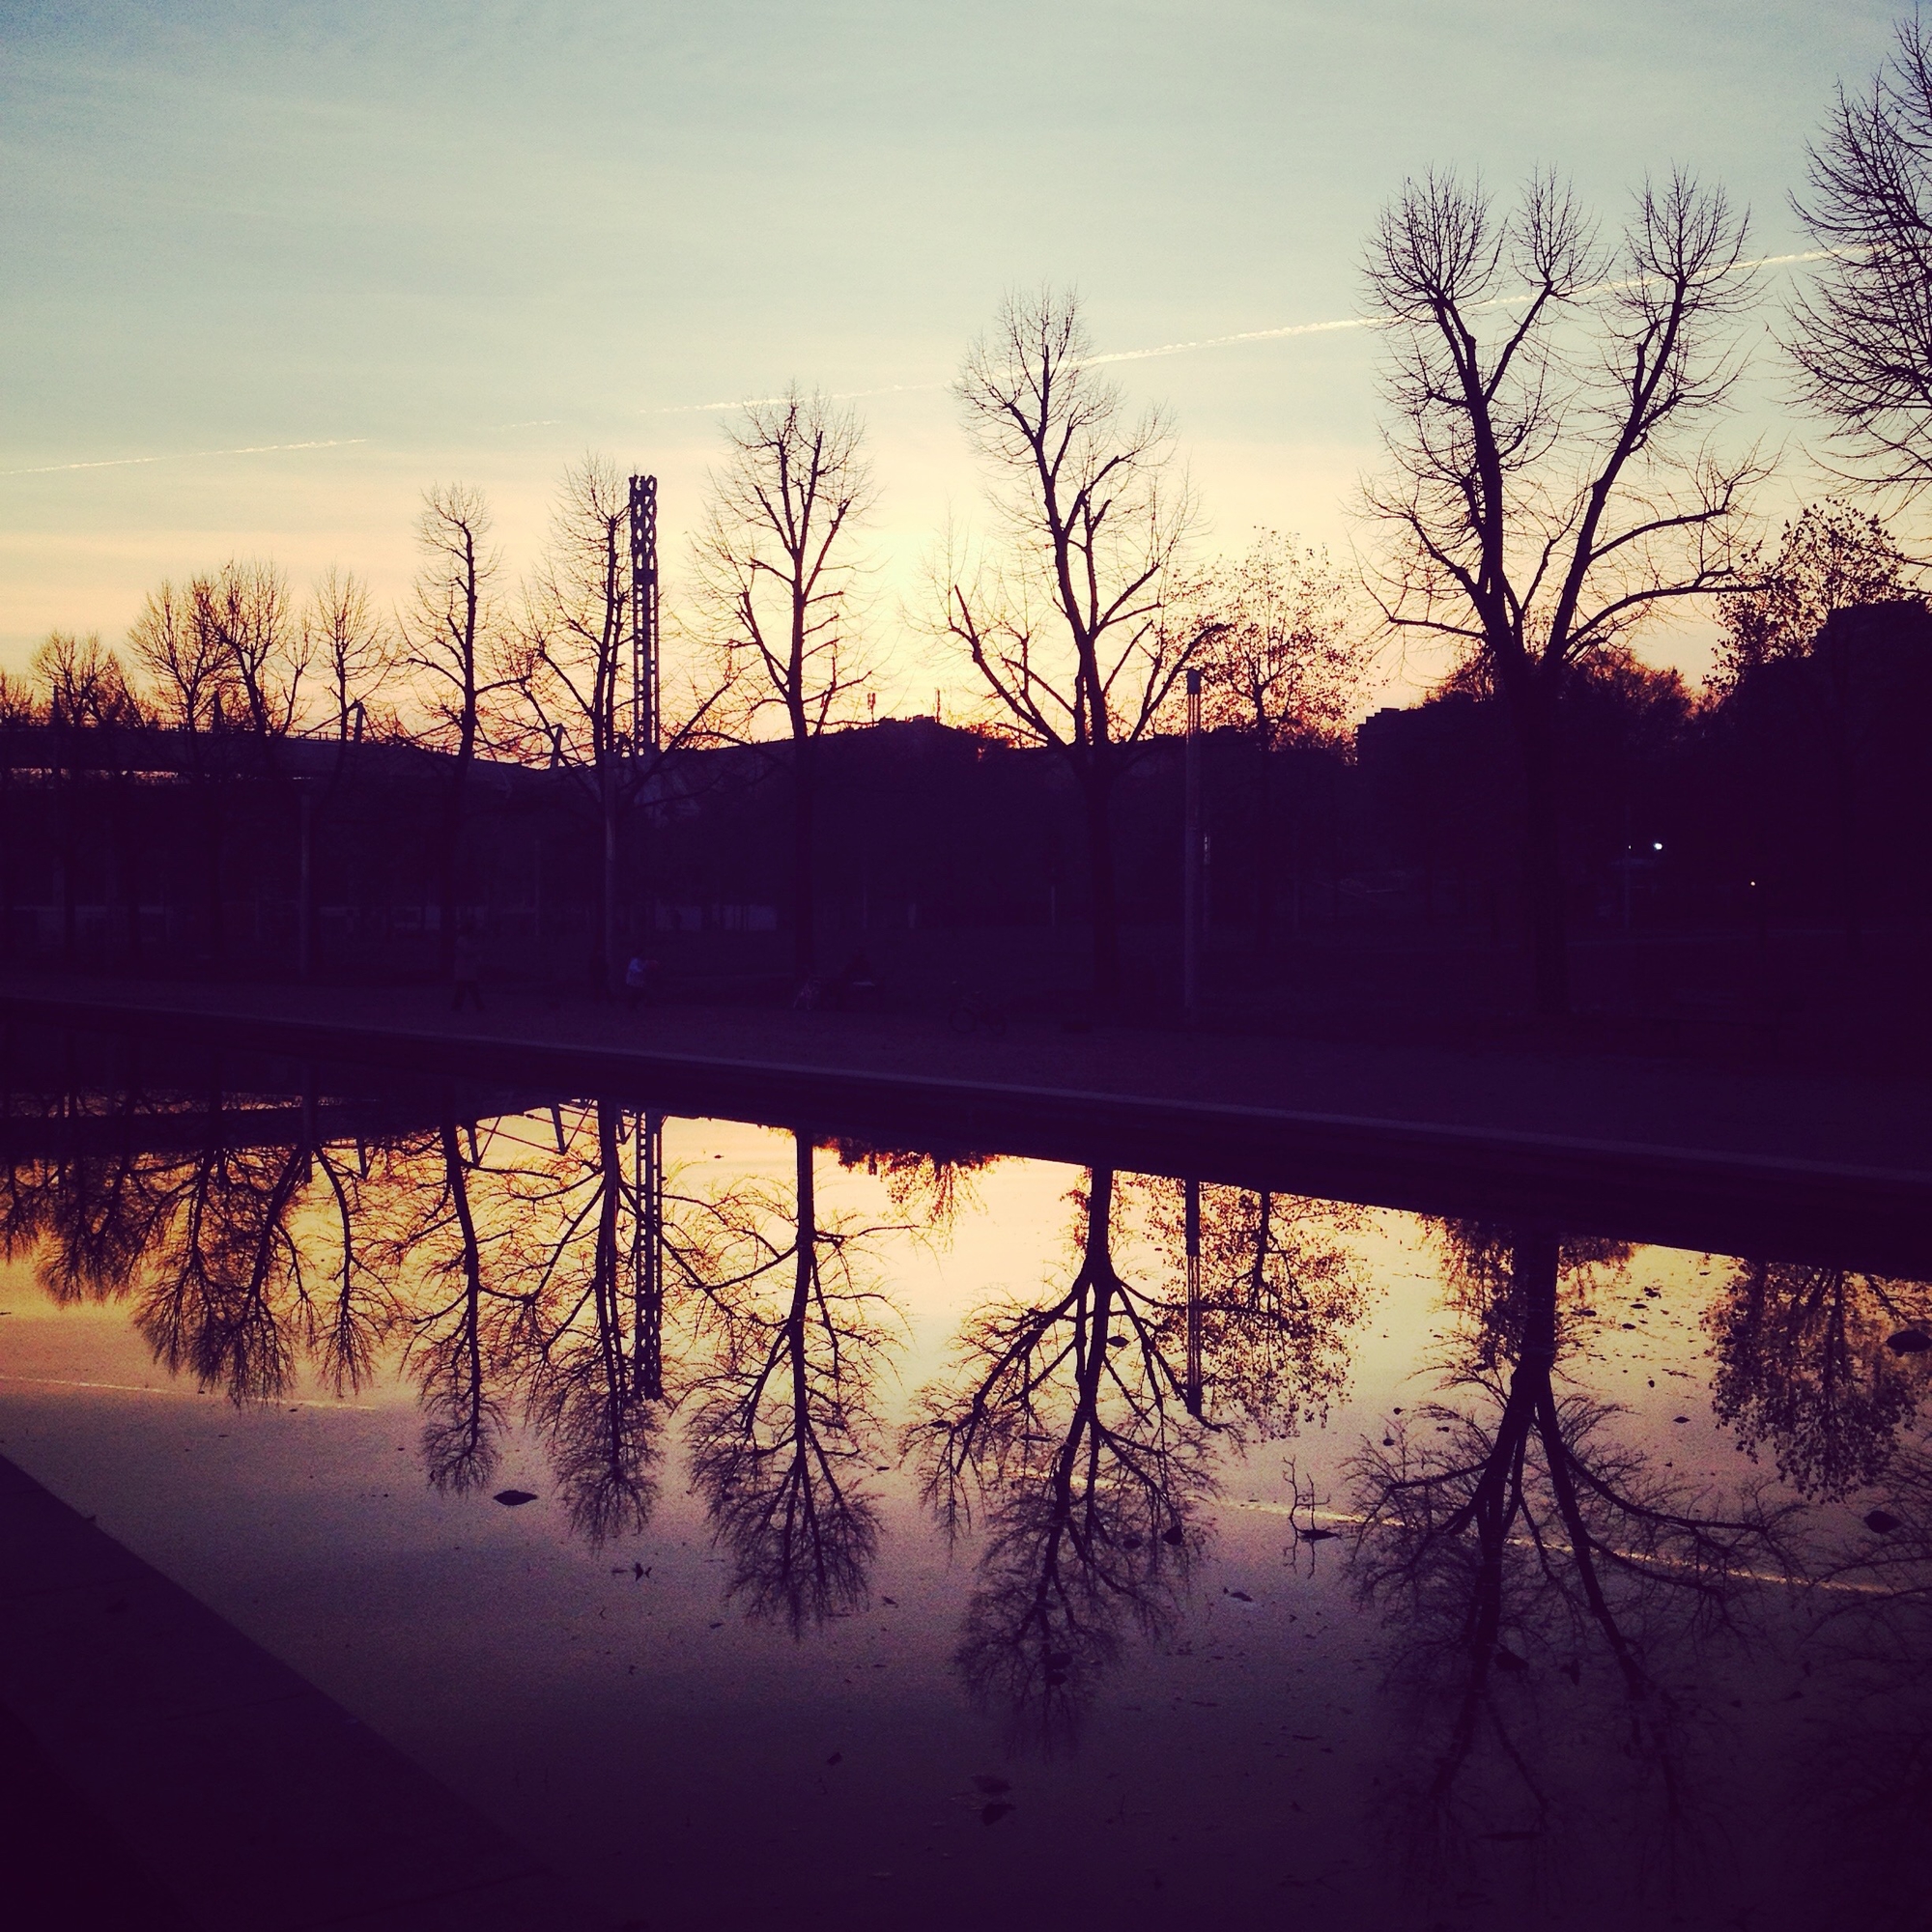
(1857, 1122)
(250, 1798)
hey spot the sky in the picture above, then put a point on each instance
(269, 269)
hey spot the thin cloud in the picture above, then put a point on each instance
(184, 456)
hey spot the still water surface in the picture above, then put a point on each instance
(927, 1537)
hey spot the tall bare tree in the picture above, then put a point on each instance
(1862, 335)
(1551, 482)
(452, 647)
(244, 610)
(226, 661)
(777, 568)
(572, 671)
(346, 639)
(94, 714)
(184, 663)
(1068, 617)
(1283, 667)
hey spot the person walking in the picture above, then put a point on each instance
(637, 980)
(469, 974)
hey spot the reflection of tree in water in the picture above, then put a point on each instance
(86, 1219)
(928, 1189)
(240, 1255)
(1803, 1366)
(463, 1332)
(1063, 1430)
(1513, 1544)
(1863, 1787)
(536, 1278)
(1280, 1297)
(783, 1399)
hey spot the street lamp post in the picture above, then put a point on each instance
(1191, 863)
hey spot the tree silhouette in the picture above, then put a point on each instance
(1553, 481)
(1862, 336)
(782, 1401)
(1803, 1366)
(1513, 1541)
(1279, 1297)
(1075, 622)
(1063, 1432)
(778, 579)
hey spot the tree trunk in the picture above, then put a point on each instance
(1263, 843)
(1542, 853)
(1845, 777)
(130, 871)
(805, 912)
(64, 784)
(1104, 906)
(449, 860)
(10, 842)
(212, 834)
(608, 802)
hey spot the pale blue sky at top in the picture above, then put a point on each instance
(471, 240)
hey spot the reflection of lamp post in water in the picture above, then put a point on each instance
(1190, 862)
(1191, 1394)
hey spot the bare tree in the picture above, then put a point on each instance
(184, 661)
(96, 720)
(572, 670)
(346, 640)
(776, 572)
(1283, 667)
(1069, 619)
(1551, 483)
(1862, 336)
(451, 646)
(243, 611)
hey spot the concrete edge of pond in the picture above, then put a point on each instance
(1729, 1201)
(254, 1801)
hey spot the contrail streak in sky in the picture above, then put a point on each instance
(184, 456)
(1280, 334)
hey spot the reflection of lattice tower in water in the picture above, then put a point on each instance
(647, 1183)
(643, 614)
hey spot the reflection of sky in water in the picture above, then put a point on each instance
(1136, 1694)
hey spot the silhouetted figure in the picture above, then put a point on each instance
(637, 977)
